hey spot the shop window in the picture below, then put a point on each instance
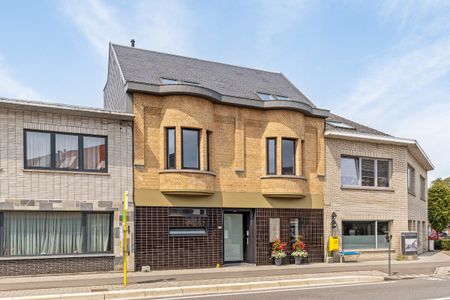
(294, 230)
(364, 234)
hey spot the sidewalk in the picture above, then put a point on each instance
(232, 276)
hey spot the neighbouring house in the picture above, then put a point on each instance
(63, 170)
(226, 160)
(375, 183)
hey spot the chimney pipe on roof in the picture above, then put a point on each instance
(132, 43)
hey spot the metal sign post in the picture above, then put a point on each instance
(124, 222)
(389, 239)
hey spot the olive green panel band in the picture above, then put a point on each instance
(145, 197)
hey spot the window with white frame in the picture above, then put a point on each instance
(368, 172)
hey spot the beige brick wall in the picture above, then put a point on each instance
(238, 146)
(418, 207)
(360, 204)
(65, 191)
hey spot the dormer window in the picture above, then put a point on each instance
(168, 81)
(340, 125)
(264, 96)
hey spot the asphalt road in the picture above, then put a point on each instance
(400, 269)
(408, 289)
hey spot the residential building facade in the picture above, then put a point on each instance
(226, 160)
(63, 170)
(375, 184)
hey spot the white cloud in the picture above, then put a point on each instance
(159, 25)
(11, 87)
(405, 90)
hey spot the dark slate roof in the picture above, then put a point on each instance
(357, 128)
(145, 66)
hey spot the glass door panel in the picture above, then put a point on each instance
(233, 237)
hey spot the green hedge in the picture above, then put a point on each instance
(443, 244)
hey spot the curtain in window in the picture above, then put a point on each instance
(38, 152)
(66, 147)
(30, 233)
(94, 153)
(98, 234)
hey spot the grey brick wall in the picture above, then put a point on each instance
(66, 191)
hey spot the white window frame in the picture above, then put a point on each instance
(375, 171)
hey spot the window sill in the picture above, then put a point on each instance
(65, 172)
(367, 188)
(372, 250)
(187, 171)
(2, 258)
(283, 177)
(412, 194)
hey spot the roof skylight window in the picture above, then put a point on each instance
(340, 125)
(190, 82)
(278, 97)
(168, 81)
(264, 96)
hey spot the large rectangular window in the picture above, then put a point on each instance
(411, 174)
(364, 234)
(190, 148)
(60, 151)
(54, 233)
(170, 149)
(287, 157)
(271, 148)
(368, 172)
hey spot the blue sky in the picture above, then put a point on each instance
(385, 64)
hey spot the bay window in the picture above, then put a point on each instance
(287, 156)
(271, 148)
(170, 149)
(190, 148)
(364, 234)
(366, 172)
(54, 233)
(64, 151)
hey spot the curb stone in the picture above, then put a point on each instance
(206, 289)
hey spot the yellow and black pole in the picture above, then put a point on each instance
(124, 225)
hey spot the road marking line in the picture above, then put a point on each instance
(274, 290)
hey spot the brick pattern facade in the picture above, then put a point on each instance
(310, 228)
(155, 248)
(370, 204)
(46, 190)
(21, 267)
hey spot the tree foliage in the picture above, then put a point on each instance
(439, 204)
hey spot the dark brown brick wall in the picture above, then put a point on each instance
(55, 265)
(155, 248)
(310, 227)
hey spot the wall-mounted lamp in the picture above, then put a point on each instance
(333, 220)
